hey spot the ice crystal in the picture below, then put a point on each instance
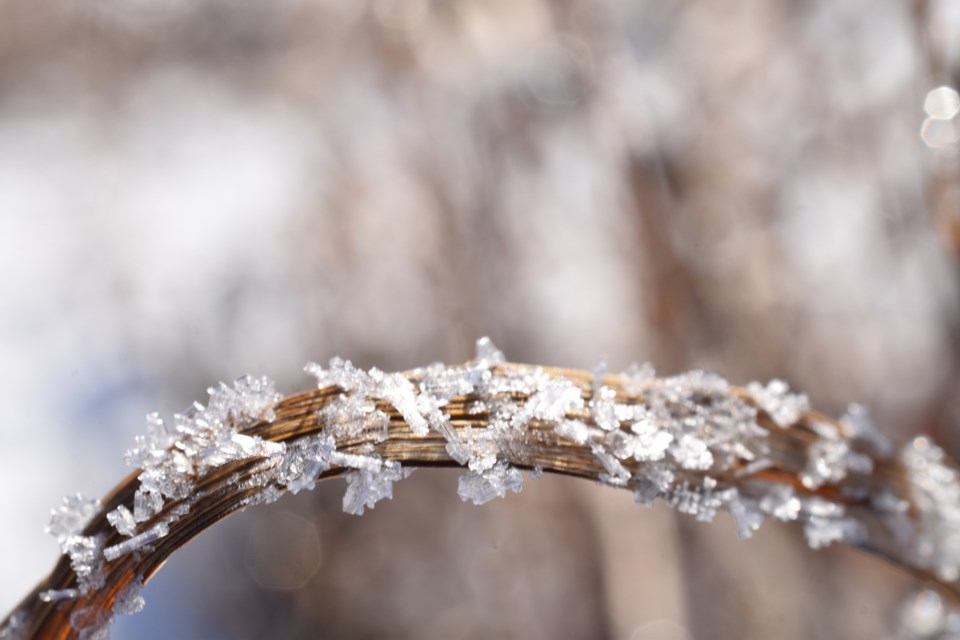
(636, 377)
(614, 472)
(341, 373)
(826, 463)
(573, 430)
(129, 601)
(399, 392)
(202, 438)
(146, 504)
(860, 428)
(487, 352)
(122, 520)
(132, 544)
(781, 502)
(72, 516)
(481, 450)
(484, 486)
(747, 516)
(691, 452)
(651, 442)
(702, 501)
(429, 407)
(603, 410)
(304, 461)
(92, 622)
(936, 495)
(821, 532)
(599, 372)
(66, 524)
(86, 559)
(250, 400)
(367, 486)
(827, 523)
(691, 440)
(783, 407)
(152, 445)
(655, 482)
(53, 595)
(346, 415)
(550, 403)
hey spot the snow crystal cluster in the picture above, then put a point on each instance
(66, 524)
(936, 496)
(691, 440)
(171, 458)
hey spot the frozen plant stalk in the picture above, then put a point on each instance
(694, 441)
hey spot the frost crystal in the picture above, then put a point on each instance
(691, 452)
(484, 486)
(66, 524)
(859, 427)
(573, 430)
(250, 400)
(636, 377)
(129, 601)
(399, 392)
(781, 502)
(651, 442)
(821, 532)
(122, 520)
(202, 438)
(603, 410)
(53, 595)
(86, 555)
(482, 451)
(826, 463)
(72, 516)
(747, 517)
(92, 623)
(783, 407)
(341, 373)
(365, 487)
(654, 483)
(304, 461)
(146, 504)
(598, 374)
(614, 472)
(132, 544)
(691, 440)
(550, 403)
(827, 523)
(702, 502)
(488, 354)
(936, 495)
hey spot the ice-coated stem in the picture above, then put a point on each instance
(693, 440)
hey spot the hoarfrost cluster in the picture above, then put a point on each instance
(691, 440)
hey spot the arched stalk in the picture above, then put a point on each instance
(694, 441)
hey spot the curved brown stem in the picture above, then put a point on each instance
(228, 488)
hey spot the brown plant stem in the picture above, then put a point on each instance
(222, 491)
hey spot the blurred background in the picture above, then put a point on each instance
(191, 190)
